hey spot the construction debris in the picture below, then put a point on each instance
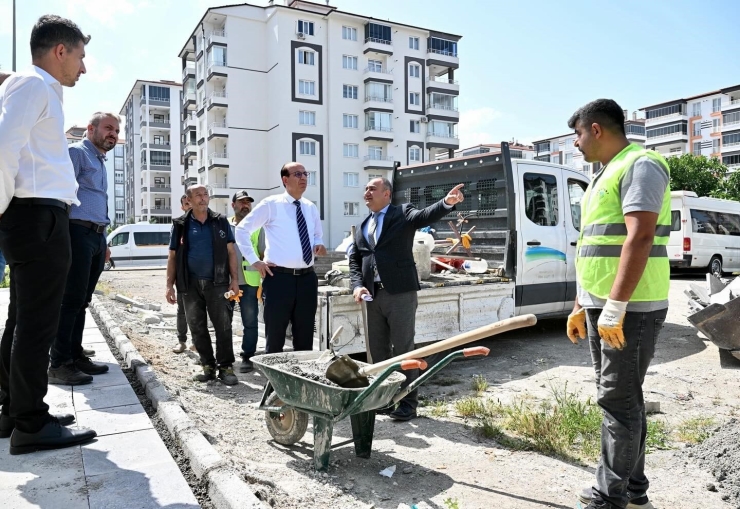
(715, 310)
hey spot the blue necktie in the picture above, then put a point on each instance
(303, 233)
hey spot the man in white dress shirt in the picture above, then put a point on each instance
(37, 188)
(293, 237)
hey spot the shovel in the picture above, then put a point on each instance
(329, 354)
(347, 373)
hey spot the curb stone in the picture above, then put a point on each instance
(225, 489)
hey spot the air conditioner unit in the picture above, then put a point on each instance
(424, 120)
(301, 35)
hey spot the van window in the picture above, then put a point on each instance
(151, 238)
(576, 189)
(119, 240)
(675, 220)
(541, 198)
(715, 223)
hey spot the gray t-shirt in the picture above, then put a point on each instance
(642, 190)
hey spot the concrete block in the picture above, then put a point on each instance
(228, 491)
(134, 358)
(155, 307)
(152, 319)
(157, 393)
(94, 398)
(120, 339)
(652, 407)
(126, 347)
(115, 331)
(113, 377)
(111, 421)
(203, 457)
(169, 315)
(126, 300)
(174, 417)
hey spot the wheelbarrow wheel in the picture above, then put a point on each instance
(286, 427)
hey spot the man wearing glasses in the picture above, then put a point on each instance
(293, 237)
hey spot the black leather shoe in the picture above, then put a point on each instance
(7, 423)
(68, 374)
(404, 412)
(88, 352)
(85, 365)
(385, 411)
(246, 367)
(52, 436)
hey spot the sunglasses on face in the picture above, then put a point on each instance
(300, 174)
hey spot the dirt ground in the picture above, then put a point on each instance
(441, 461)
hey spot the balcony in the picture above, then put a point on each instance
(378, 103)
(443, 85)
(158, 210)
(442, 140)
(666, 118)
(666, 138)
(188, 73)
(442, 52)
(216, 68)
(446, 111)
(377, 73)
(220, 190)
(157, 188)
(156, 167)
(158, 102)
(378, 133)
(379, 46)
(217, 100)
(730, 147)
(730, 126)
(218, 129)
(190, 150)
(188, 181)
(216, 37)
(733, 104)
(156, 124)
(733, 167)
(219, 159)
(188, 100)
(156, 146)
(377, 162)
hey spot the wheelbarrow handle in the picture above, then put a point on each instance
(413, 364)
(476, 350)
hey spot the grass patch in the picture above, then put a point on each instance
(452, 503)
(470, 407)
(694, 431)
(104, 287)
(5, 281)
(657, 436)
(480, 384)
(438, 408)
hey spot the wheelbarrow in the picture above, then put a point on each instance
(289, 399)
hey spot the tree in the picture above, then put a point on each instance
(704, 176)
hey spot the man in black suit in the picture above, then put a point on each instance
(381, 266)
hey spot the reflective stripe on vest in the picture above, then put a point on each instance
(603, 233)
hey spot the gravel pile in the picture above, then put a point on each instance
(720, 455)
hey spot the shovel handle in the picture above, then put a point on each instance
(476, 350)
(455, 341)
(413, 364)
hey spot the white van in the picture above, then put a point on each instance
(705, 232)
(139, 245)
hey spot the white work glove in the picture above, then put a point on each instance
(610, 323)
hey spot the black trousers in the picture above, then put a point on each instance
(289, 299)
(202, 300)
(35, 242)
(182, 323)
(88, 259)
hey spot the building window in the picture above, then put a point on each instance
(731, 140)
(569, 144)
(351, 179)
(349, 91)
(374, 66)
(349, 121)
(349, 33)
(715, 125)
(349, 62)
(555, 159)
(158, 140)
(351, 208)
(586, 168)
(569, 158)
(158, 93)
(415, 98)
(413, 42)
(676, 129)
(351, 150)
(118, 151)
(311, 180)
(378, 121)
(306, 57)
(542, 147)
(306, 87)
(414, 155)
(696, 110)
(375, 153)
(696, 128)
(378, 92)
(676, 109)
(414, 126)
(118, 163)
(305, 27)
(307, 117)
(731, 118)
(120, 204)
(697, 148)
(308, 148)
(377, 33)
(715, 145)
(414, 71)
(716, 104)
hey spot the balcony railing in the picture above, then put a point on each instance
(220, 185)
(375, 157)
(378, 41)
(445, 52)
(378, 70)
(733, 144)
(438, 106)
(733, 167)
(218, 125)
(187, 71)
(375, 98)
(442, 135)
(437, 79)
(732, 103)
(727, 124)
(663, 117)
(217, 33)
(218, 155)
(379, 128)
(669, 135)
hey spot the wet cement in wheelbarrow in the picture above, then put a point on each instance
(311, 370)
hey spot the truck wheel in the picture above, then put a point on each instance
(715, 266)
(286, 427)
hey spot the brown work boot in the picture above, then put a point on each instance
(181, 347)
(227, 376)
(209, 373)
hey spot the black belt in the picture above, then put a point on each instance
(97, 228)
(379, 286)
(40, 202)
(295, 272)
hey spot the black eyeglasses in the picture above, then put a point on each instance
(300, 174)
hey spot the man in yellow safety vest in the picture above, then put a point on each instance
(622, 300)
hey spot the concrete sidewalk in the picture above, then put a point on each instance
(127, 466)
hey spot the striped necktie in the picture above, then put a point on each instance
(303, 233)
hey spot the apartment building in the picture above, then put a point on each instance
(346, 95)
(516, 150)
(115, 173)
(706, 124)
(153, 174)
(561, 149)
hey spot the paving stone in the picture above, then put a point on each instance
(93, 398)
(59, 399)
(114, 376)
(135, 450)
(120, 419)
(126, 300)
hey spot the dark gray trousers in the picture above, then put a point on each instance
(202, 300)
(391, 322)
(619, 378)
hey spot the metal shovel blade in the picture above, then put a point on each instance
(346, 373)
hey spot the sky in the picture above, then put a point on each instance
(525, 66)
